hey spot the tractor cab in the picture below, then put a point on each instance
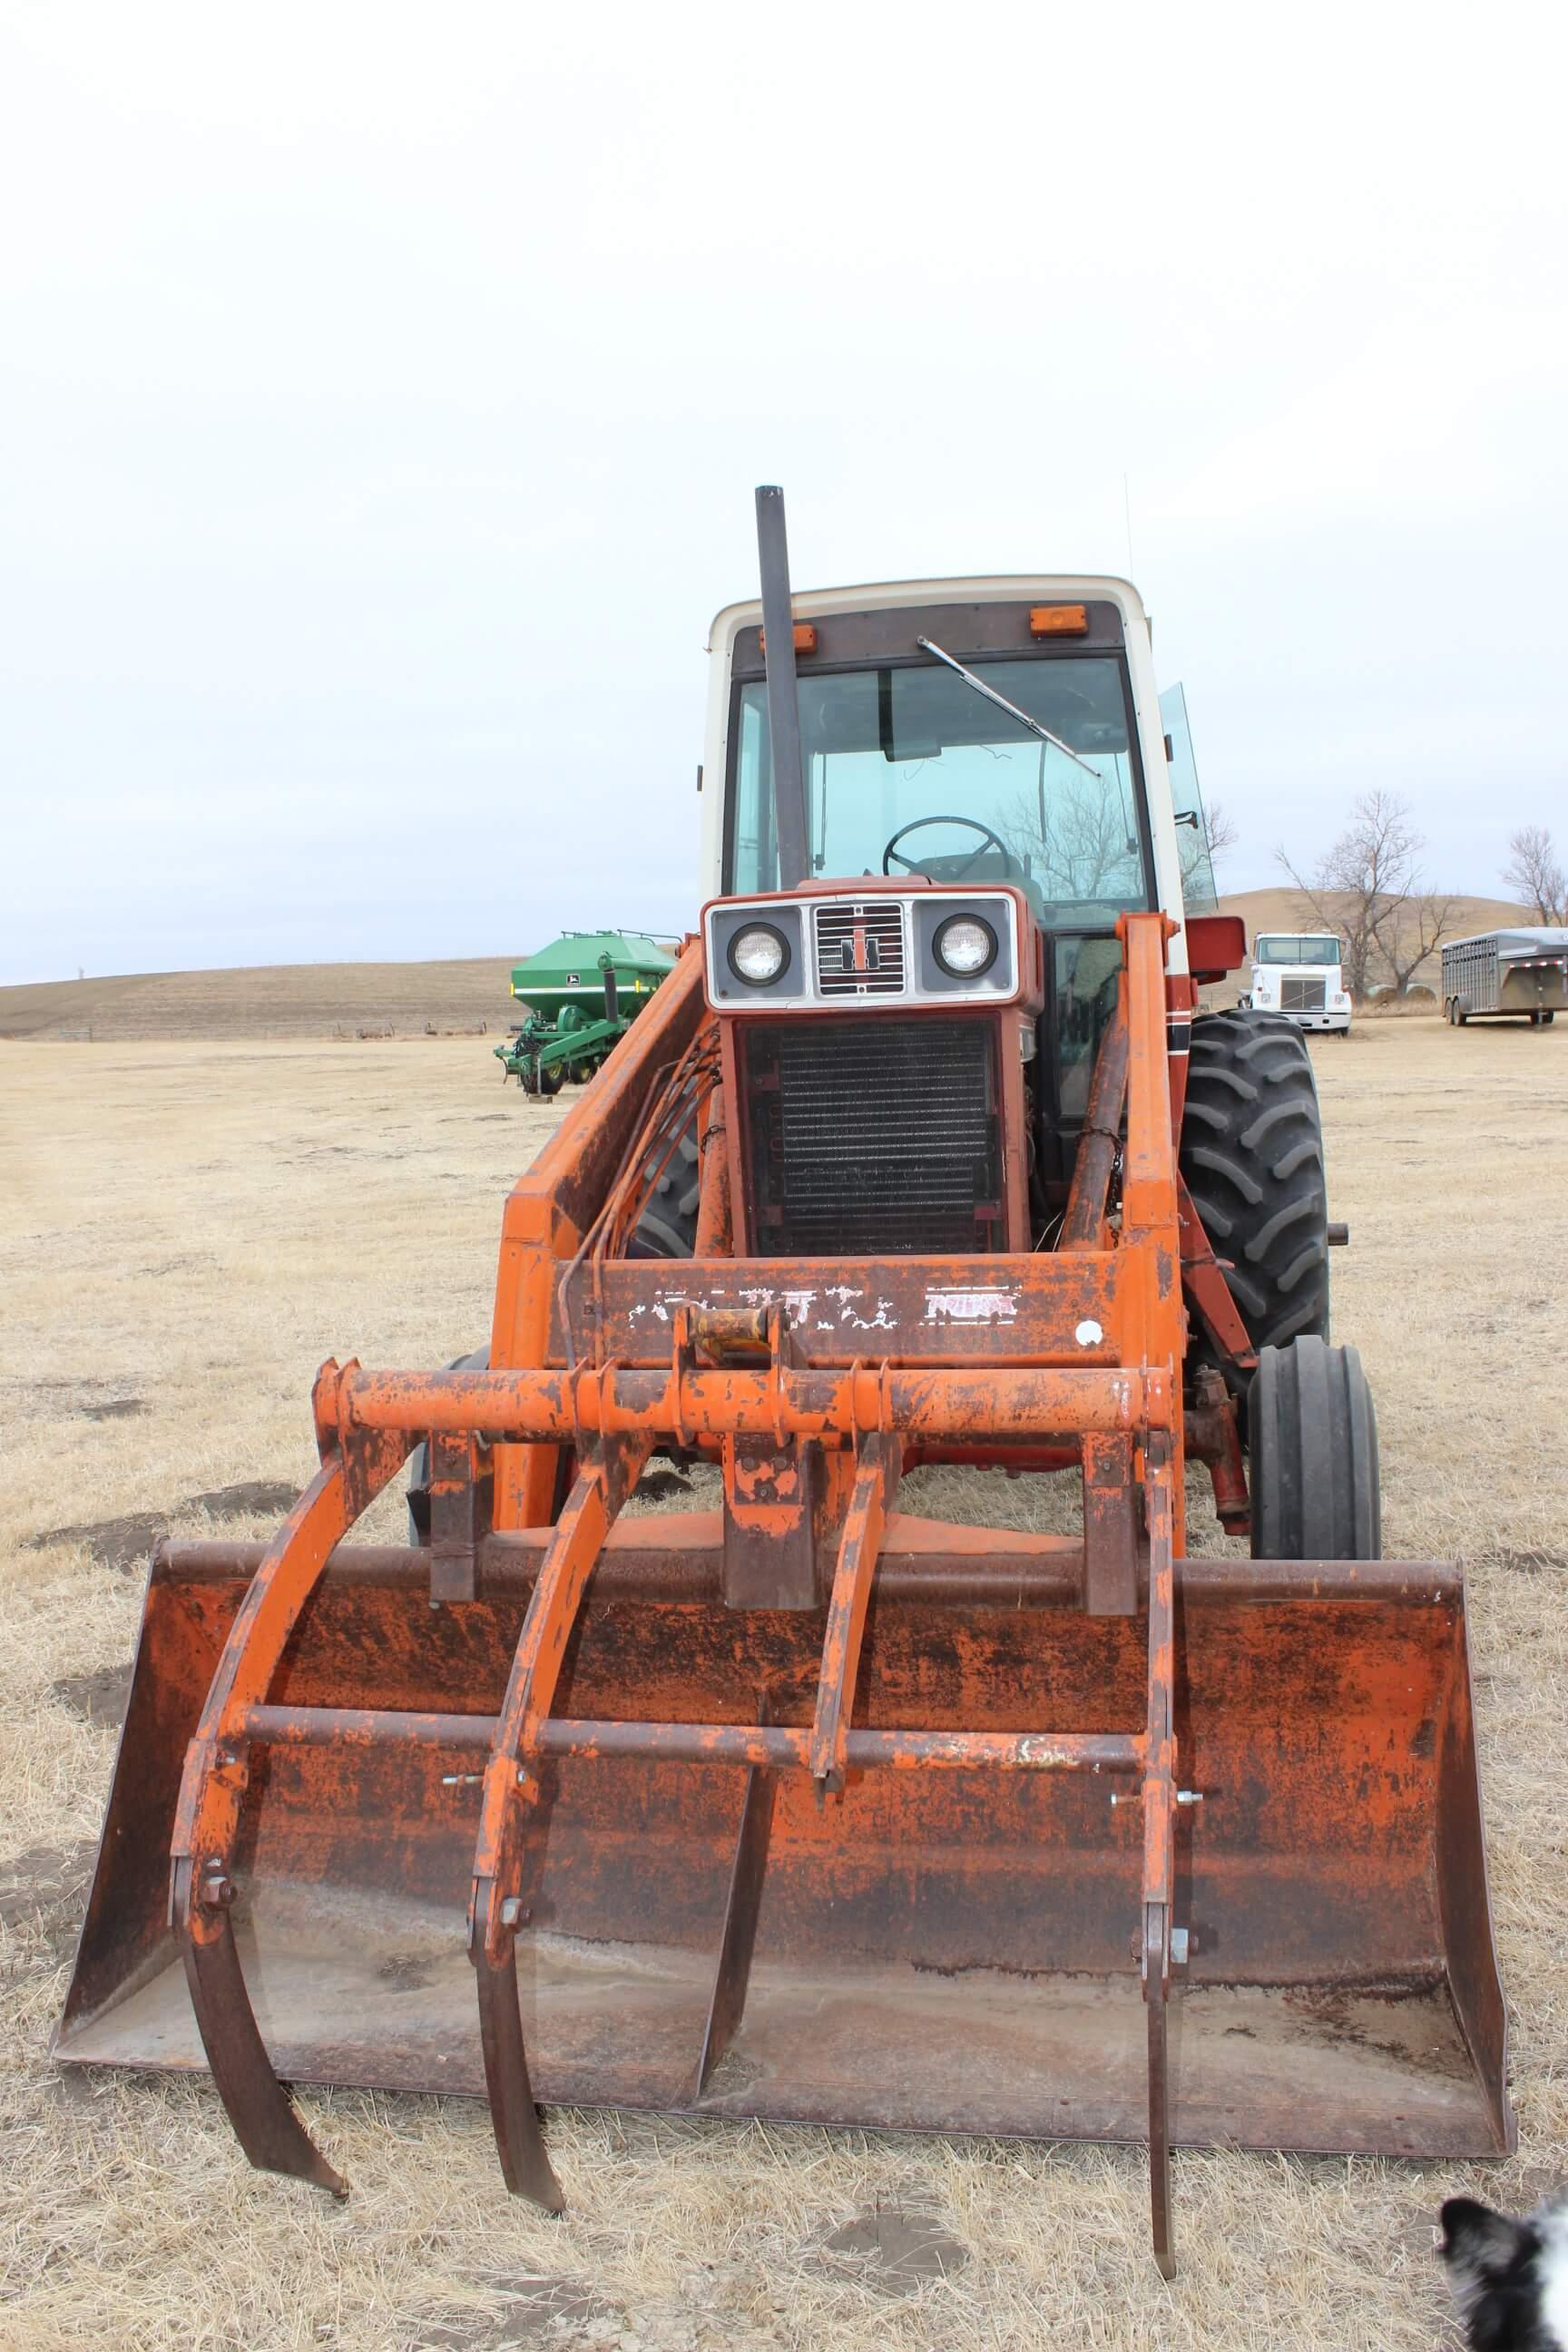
(988, 781)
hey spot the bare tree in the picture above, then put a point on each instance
(1534, 875)
(1369, 887)
(1413, 928)
(1221, 831)
(1078, 834)
(1202, 835)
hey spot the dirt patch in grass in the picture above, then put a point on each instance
(99, 1698)
(898, 2247)
(45, 1889)
(557, 2311)
(125, 1542)
(1526, 1563)
(265, 1495)
(662, 1486)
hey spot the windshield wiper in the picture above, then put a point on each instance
(1012, 708)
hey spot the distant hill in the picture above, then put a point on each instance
(320, 1000)
(301, 1000)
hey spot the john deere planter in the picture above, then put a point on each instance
(581, 995)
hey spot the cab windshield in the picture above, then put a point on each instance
(1291, 950)
(911, 771)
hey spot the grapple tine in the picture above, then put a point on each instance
(1156, 1946)
(1158, 1819)
(875, 1477)
(727, 2003)
(510, 1801)
(215, 1775)
(520, 2143)
(264, 2118)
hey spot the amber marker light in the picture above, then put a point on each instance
(1057, 621)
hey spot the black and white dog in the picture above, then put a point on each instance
(1510, 2278)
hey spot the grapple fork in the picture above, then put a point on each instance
(510, 1803)
(354, 1468)
(899, 1838)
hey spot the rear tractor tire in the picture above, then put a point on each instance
(1315, 1488)
(668, 1226)
(1252, 1154)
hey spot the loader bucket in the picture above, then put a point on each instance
(940, 1948)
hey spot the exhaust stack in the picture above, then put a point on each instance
(783, 701)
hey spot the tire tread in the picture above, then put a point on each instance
(1252, 1154)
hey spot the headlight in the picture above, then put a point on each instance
(965, 947)
(758, 954)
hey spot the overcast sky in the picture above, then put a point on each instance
(382, 389)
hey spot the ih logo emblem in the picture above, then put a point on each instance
(859, 952)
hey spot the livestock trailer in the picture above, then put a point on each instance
(1520, 974)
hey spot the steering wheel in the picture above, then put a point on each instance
(988, 840)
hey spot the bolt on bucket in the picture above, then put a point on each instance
(939, 1948)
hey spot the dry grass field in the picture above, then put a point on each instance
(185, 1230)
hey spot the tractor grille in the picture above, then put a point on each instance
(859, 951)
(1302, 995)
(872, 1138)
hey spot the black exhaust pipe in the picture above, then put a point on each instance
(783, 701)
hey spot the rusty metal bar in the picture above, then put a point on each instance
(1204, 1283)
(1159, 1837)
(1101, 1138)
(544, 1406)
(778, 1746)
(1149, 1155)
(675, 1556)
(1111, 1536)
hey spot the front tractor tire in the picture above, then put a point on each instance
(1315, 1487)
(1252, 1154)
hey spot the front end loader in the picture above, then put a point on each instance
(805, 1805)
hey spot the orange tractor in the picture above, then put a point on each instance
(805, 1805)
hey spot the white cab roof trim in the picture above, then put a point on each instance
(878, 595)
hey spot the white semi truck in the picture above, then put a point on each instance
(1298, 973)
